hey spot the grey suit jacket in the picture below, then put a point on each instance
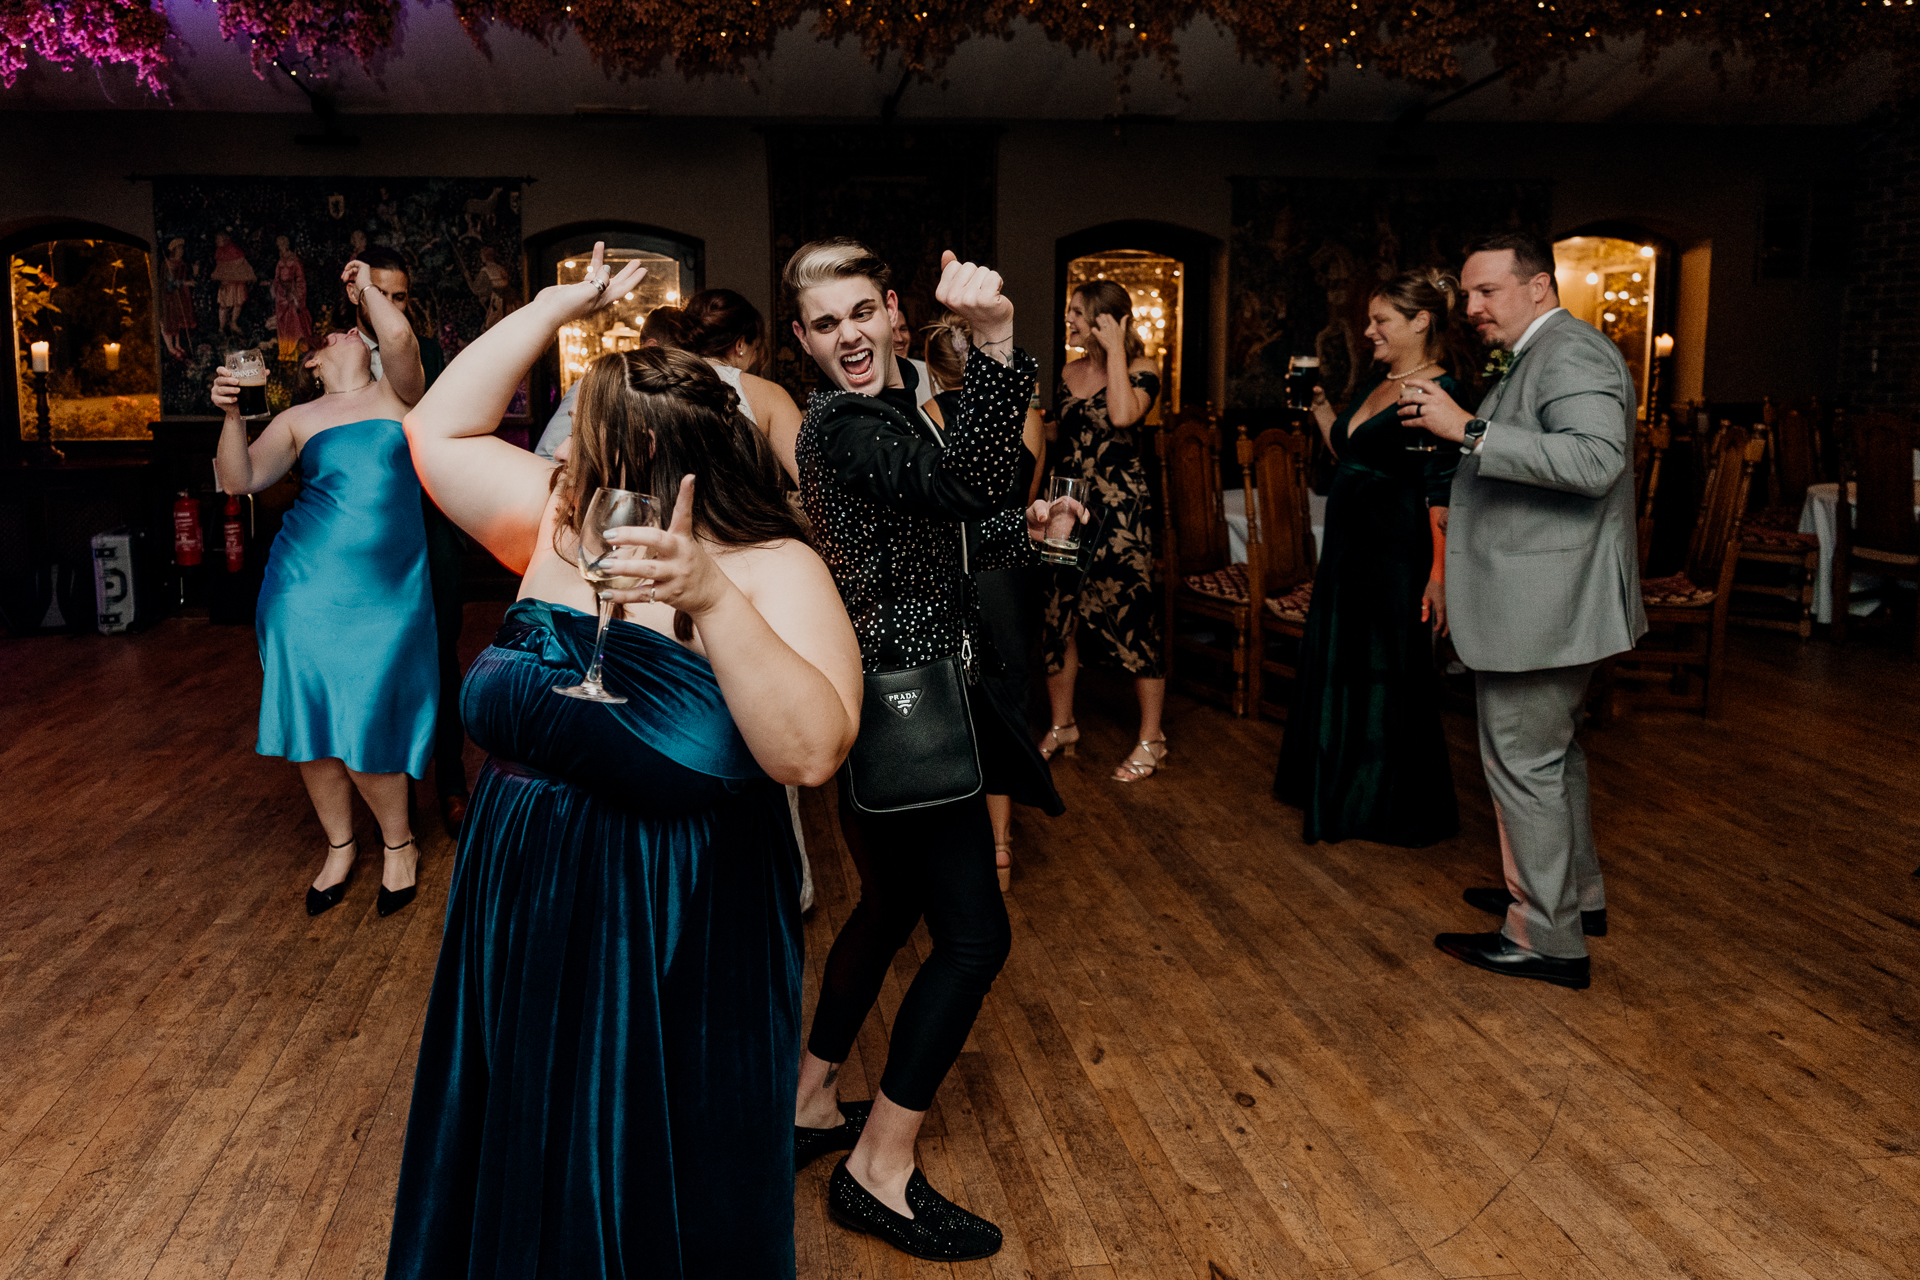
(1542, 569)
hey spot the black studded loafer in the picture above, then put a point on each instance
(1496, 901)
(810, 1144)
(938, 1231)
(1497, 953)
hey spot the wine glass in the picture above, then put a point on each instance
(610, 509)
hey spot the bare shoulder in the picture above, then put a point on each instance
(772, 567)
(1143, 365)
(764, 389)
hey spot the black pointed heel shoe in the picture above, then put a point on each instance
(319, 900)
(388, 900)
(810, 1144)
(938, 1231)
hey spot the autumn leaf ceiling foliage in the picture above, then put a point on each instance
(1813, 41)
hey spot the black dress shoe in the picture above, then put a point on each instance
(326, 899)
(388, 900)
(938, 1231)
(810, 1144)
(1496, 901)
(1497, 953)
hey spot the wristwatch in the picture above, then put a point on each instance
(1476, 428)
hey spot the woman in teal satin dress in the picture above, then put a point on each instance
(345, 618)
(1364, 755)
(607, 1071)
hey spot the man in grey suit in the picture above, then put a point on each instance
(1542, 584)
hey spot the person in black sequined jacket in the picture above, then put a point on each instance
(889, 496)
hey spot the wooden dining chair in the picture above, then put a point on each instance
(1650, 445)
(1209, 607)
(1280, 561)
(1687, 612)
(1884, 536)
(1771, 537)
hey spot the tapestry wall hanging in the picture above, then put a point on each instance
(256, 262)
(907, 193)
(1306, 253)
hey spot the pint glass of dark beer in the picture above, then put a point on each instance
(249, 369)
(1303, 375)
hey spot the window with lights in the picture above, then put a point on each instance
(83, 317)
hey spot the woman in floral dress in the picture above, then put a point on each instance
(1110, 615)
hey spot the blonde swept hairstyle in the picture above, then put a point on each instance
(824, 261)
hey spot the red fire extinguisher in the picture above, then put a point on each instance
(188, 547)
(235, 540)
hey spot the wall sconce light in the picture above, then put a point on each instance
(1663, 345)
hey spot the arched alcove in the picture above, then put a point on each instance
(87, 291)
(676, 270)
(1623, 277)
(1157, 250)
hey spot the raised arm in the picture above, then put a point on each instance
(399, 349)
(781, 648)
(1126, 402)
(248, 468)
(494, 490)
(1585, 430)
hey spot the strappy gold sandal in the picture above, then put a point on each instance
(1131, 770)
(1053, 742)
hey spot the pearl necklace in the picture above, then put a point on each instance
(1402, 377)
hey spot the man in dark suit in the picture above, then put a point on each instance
(1542, 585)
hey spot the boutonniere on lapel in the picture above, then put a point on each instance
(1498, 364)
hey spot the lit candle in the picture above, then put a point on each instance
(39, 357)
(113, 355)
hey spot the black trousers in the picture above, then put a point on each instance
(937, 863)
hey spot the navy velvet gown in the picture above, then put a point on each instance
(606, 1076)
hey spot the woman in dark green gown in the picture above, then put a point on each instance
(1364, 755)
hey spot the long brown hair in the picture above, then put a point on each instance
(646, 418)
(1110, 298)
(1437, 293)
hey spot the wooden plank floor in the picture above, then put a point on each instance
(1214, 1053)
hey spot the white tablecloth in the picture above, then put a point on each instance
(1817, 517)
(1236, 504)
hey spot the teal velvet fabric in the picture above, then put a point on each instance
(1365, 756)
(345, 618)
(606, 1075)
